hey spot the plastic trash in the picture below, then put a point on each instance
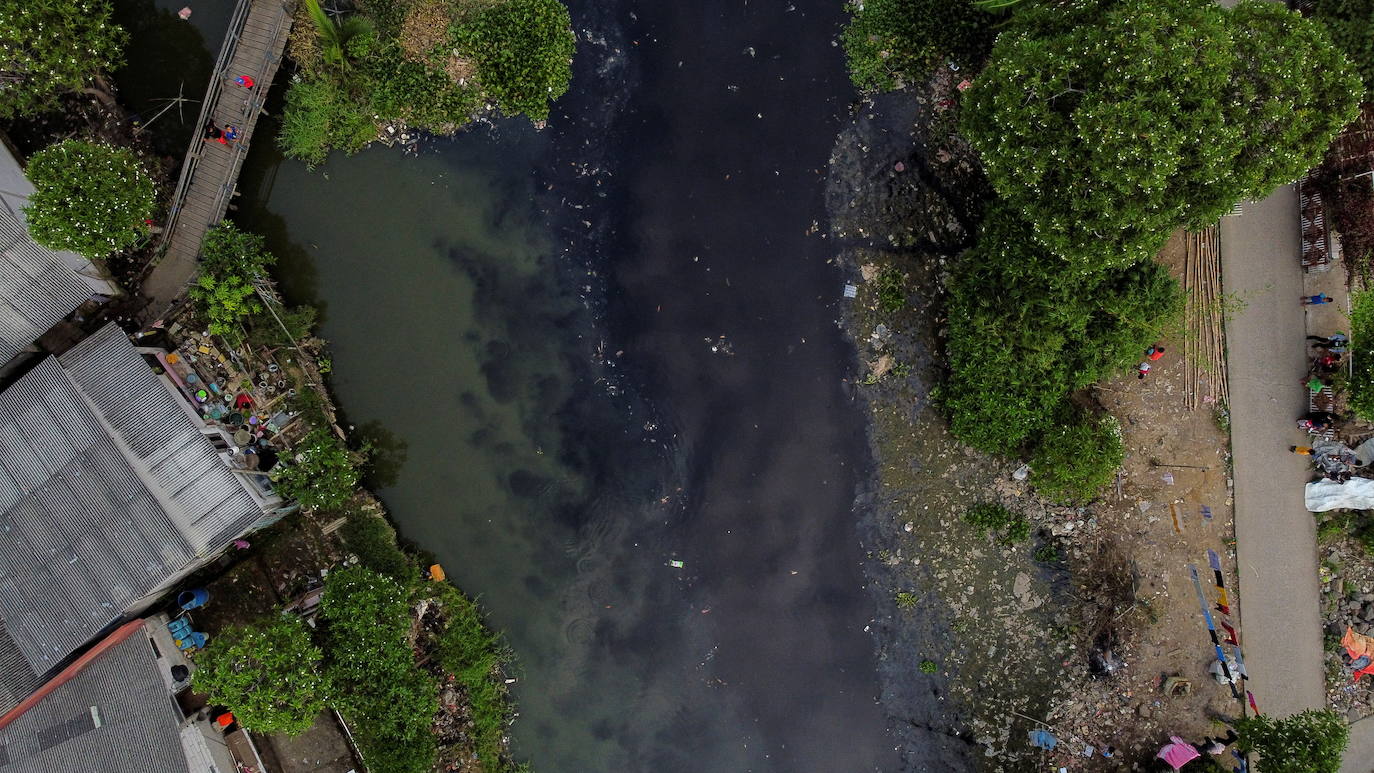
(676, 564)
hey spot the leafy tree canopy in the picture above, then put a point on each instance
(323, 473)
(890, 43)
(1351, 23)
(51, 47)
(230, 262)
(1108, 124)
(268, 675)
(89, 198)
(1310, 742)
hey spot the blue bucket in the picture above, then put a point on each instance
(190, 599)
(196, 639)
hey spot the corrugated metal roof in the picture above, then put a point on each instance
(107, 489)
(36, 289)
(138, 727)
(17, 679)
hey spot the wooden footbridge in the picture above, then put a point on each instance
(253, 47)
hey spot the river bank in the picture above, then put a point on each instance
(1067, 619)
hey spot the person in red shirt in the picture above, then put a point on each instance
(1155, 352)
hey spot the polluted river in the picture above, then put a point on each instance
(602, 364)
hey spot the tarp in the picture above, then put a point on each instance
(1042, 739)
(1178, 753)
(1360, 648)
(1354, 494)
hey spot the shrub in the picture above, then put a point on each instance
(267, 674)
(231, 261)
(891, 290)
(89, 198)
(523, 50)
(928, 667)
(323, 473)
(374, 542)
(1309, 742)
(52, 47)
(390, 703)
(1088, 116)
(476, 656)
(1026, 329)
(1075, 460)
(906, 599)
(1361, 382)
(321, 115)
(1350, 22)
(891, 43)
(991, 518)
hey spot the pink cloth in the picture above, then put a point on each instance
(1178, 753)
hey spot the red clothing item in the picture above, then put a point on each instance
(1155, 355)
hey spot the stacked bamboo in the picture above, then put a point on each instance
(1204, 353)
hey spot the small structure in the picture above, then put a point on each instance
(115, 709)
(111, 490)
(38, 286)
(1318, 250)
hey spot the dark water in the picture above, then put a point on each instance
(610, 345)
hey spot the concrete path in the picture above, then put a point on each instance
(1275, 535)
(1359, 755)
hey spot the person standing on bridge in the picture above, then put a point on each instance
(213, 132)
(244, 81)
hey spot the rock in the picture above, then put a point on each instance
(1143, 711)
(1367, 613)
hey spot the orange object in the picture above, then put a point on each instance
(436, 573)
(224, 720)
(173, 358)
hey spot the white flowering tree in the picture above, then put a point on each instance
(90, 198)
(52, 47)
(1108, 125)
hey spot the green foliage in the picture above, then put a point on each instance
(1108, 125)
(1025, 330)
(476, 657)
(389, 702)
(523, 50)
(265, 330)
(906, 599)
(928, 667)
(230, 262)
(990, 518)
(374, 541)
(1078, 457)
(1047, 554)
(338, 39)
(321, 115)
(891, 43)
(891, 290)
(267, 674)
(1351, 24)
(1360, 387)
(1309, 742)
(89, 198)
(323, 473)
(52, 47)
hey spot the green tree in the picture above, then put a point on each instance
(523, 50)
(1111, 124)
(231, 261)
(891, 43)
(1361, 385)
(323, 473)
(89, 197)
(1310, 742)
(267, 674)
(389, 701)
(1077, 457)
(1351, 23)
(52, 47)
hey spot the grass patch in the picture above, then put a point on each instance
(1006, 527)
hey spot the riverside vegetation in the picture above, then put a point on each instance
(1086, 118)
(430, 65)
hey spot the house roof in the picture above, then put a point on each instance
(108, 489)
(113, 715)
(38, 286)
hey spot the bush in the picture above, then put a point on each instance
(523, 50)
(891, 43)
(52, 47)
(267, 674)
(322, 474)
(1075, 460)
(1350, 22)
(1025, 330)
(321, 115)
(374, 542)
(991, 518)
(389, 702)
(1309, 742)
(928, 667)
(1088, 116)
(89, 198)
(1361, 383)
(476, 656)
(231, 261)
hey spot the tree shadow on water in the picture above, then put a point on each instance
(165, 58)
